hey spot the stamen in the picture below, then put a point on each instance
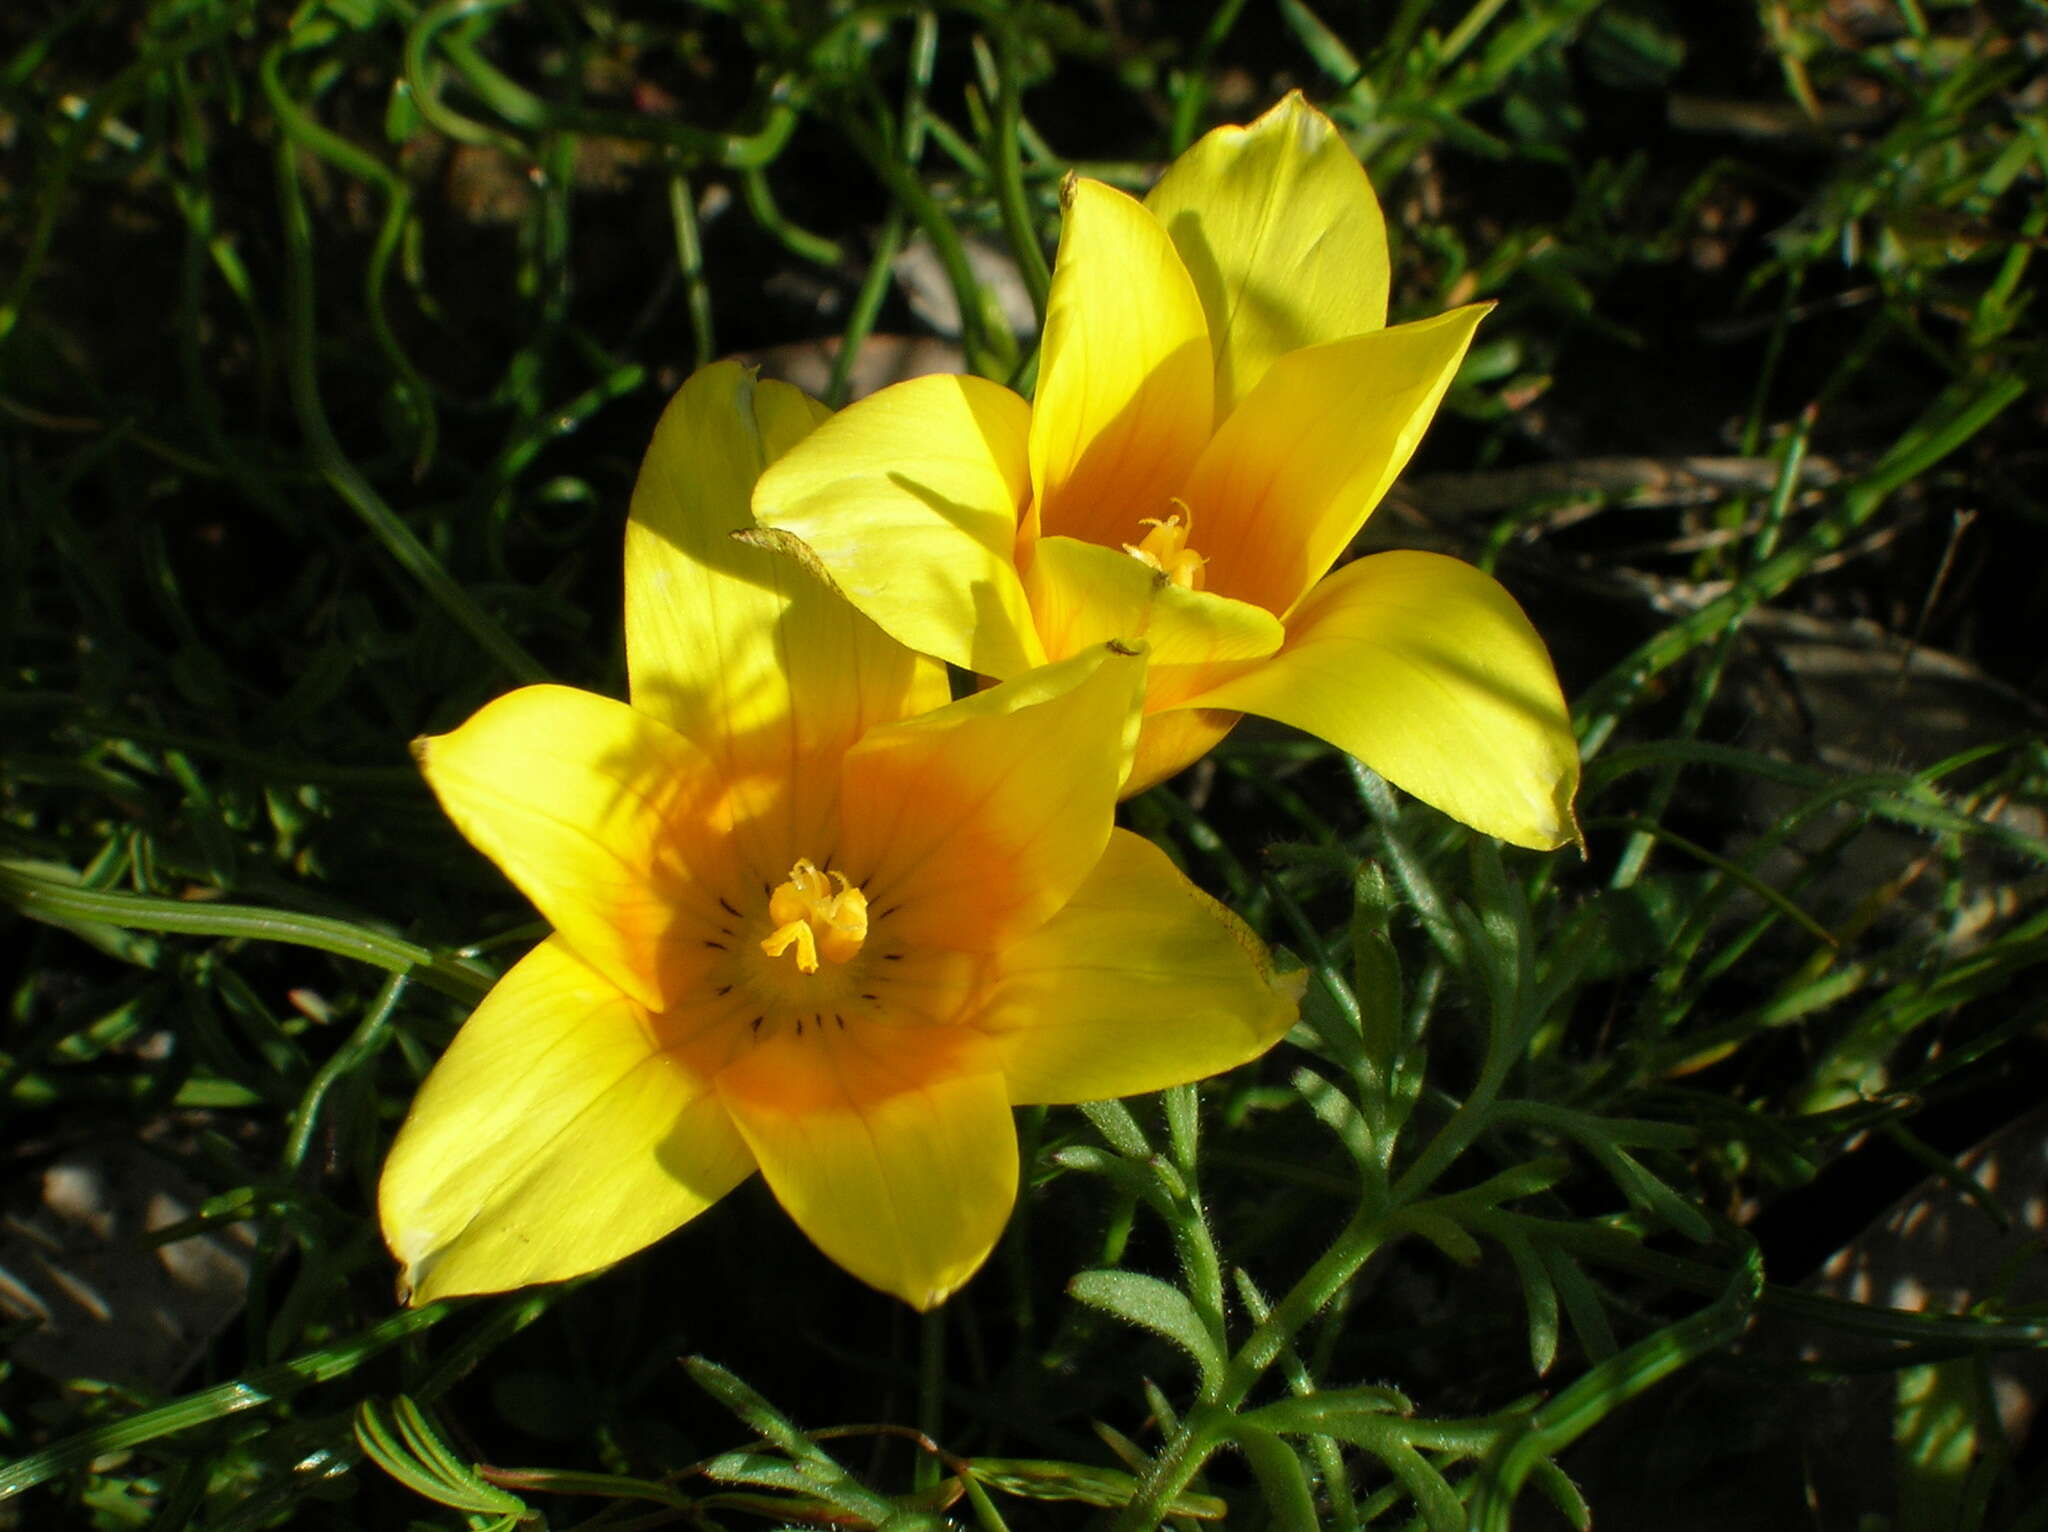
(824, 922)
(1165, 548)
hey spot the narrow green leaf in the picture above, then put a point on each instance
(1161, 1407)
(381, 1446)
(441, 1459)
(824, 1491)
(752, 1408)
(417, 1457)
(985, 1512)
(1563, 1493)
(1153, 1305)
(1282, 1483)
(1539, 1297)
(1336, 1112)
(1433, 1496)
(1332, 1412)
(1044, 1479)
(808, 1469)
(1582, 1304)
(1376, 968)
(1138, 1180)
(1183, 1124)
(1336, 61)
(1652, 1195)
(1119, 1129)
(1445, 1233)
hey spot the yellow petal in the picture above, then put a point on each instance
(1283, 236)
(607, 820)
(1123, 403)
(1084, 594)
(908, 501)
(1291, 476)
(891, 1147)
(742, 651)
(1141, 982)
(1196, 633)
(558, 1134)
(1427, 671)
(1172, 741)
(976, 822)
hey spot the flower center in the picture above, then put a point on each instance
(820, 915)
(1165, 548)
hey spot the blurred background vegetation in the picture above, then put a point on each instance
(1703, 1179)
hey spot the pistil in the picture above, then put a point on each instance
(822, 915)
(1165, 548)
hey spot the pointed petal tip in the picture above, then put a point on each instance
(893, 1149)
(1550, 819)
(930, 1298)
(1125, 397)
(1141, 982)
(924, 1291)
(1565, 830)
(1281, 230)
(1425, 669)
(414, 1251)
(1293, 110)
(1545, 821)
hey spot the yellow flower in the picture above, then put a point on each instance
(808, 918)
(1220, 405)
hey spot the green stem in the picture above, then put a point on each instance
(1194, 83)
(342, 475)
(363, 1045)
(682, 210)
(874, 286)
(534, 114)
(1007, 167)
(931, 1392)
(1207, 1425)
(990, 351)
(58, 904)
(301, 128)
(797, 240)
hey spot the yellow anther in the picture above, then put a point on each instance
(821, 921)
(1165, 548)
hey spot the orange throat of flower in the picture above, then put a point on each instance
(1165, 547)
(810, 957)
